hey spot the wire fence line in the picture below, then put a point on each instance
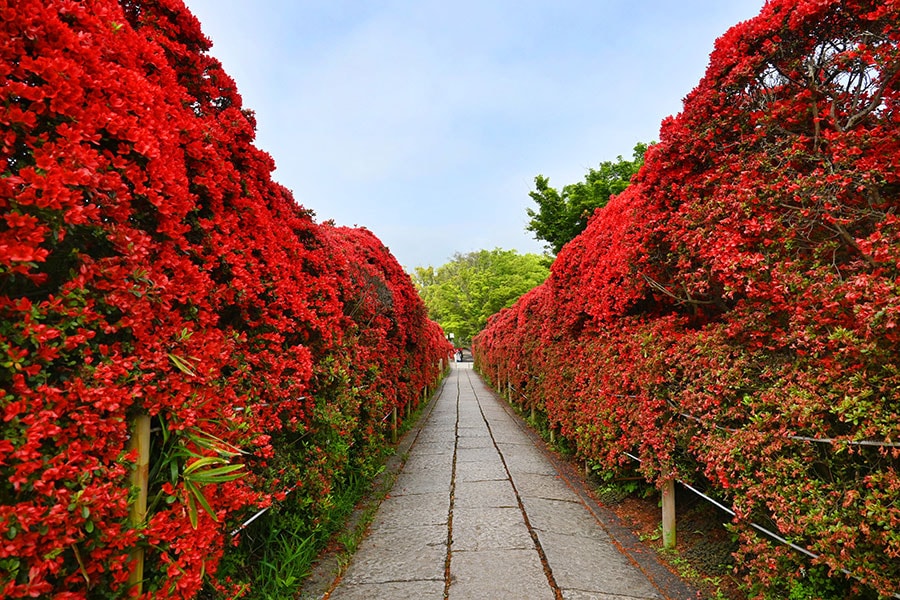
(723, 507)
(799, 438)
(262, 511)
(756, 526)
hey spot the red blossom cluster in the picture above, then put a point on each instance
(732, 317)
(150, 266)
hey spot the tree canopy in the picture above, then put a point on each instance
(463, 293)
(563, 215)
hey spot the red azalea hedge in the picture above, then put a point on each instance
(744, 292)
(150, 265)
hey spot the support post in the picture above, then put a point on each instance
(668, 513)
(552, 435)
(394, 425)
(140, 440)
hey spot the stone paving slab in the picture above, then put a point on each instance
(548, 487)
(408, 483)
(601, 570)
(525, 464)
(498, 575)
(492, 470)
(564, 517)
(478, 455)
(439, 447)
(400, 512)
(393, 590)
(437, 436)
(432, 463)
(485, 494)
(585, 595)
(517, 528)
(499, 528)
(413, 553)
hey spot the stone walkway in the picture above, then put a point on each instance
(481, 511)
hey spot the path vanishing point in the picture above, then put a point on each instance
(481, 510)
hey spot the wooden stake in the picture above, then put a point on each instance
(668, 513)
(394, 425)
(140, 440)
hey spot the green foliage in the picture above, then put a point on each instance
(463, 293)
(814, 583)
(179, 458)
(276, 553)
(563, 215)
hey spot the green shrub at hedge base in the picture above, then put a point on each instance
(732, 316)
(150, 266)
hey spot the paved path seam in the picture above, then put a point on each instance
(621, 536)
(449, 558)
(534, 536)
(481, 509)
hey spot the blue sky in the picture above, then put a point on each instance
(427, 121)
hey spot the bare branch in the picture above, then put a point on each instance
(661, 288)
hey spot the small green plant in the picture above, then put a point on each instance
(614, 486)
(654, 536)
(193, 458)
(816, 585)
(277, 551)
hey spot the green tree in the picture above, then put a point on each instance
(563, 215)
(463, 293)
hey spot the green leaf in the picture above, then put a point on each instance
(197, 494)
(218, 475)
(192, 510)
(183, 364)
(203, 462)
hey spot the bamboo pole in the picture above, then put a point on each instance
(140, 440)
